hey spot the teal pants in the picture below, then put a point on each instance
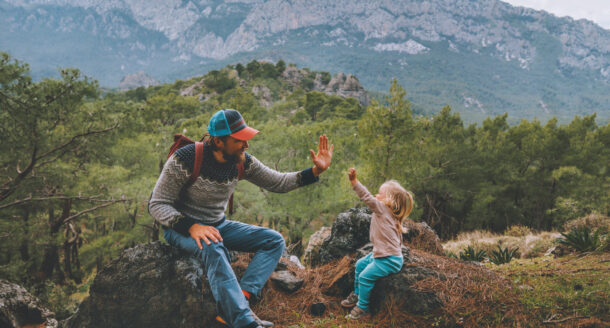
(369, 270)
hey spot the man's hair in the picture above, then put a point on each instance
(211, 142)
(399, 200)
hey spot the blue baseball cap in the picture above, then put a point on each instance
(228, 122)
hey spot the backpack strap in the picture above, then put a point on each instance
(240, 175)
(197, 164)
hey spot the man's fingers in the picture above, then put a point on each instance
(216, 235)
(313, 155)
(206, 240)
(198, 243)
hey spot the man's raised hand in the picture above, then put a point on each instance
(324, 156)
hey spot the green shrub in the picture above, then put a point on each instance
(501, 256)
(581, 239)
(470, 254)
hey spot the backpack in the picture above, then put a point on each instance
(181, 141)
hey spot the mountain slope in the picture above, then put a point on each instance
(481, 57)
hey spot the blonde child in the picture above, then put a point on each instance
(390, 207)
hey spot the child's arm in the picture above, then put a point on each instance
(362, 192)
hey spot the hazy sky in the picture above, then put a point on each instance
(595, 10)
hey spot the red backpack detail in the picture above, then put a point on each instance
(181, 141)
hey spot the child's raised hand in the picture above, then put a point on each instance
(352, 174)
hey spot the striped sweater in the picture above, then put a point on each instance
(205, 201)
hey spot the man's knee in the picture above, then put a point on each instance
(275, 240)
(213, 250)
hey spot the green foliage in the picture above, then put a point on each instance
(501, 256)
(581, 239)
(470, 254)
(493, 176)
(280, 66)
(219, 81)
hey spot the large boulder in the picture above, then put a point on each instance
(18, 308)
(419, 235)
(349, 241)
(150, 285)
(312, 251)
(349, 232)
(396, 289)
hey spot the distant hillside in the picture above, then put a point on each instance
(482, 57)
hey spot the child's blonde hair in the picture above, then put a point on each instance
(399, 200)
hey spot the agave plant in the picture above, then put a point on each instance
(501, 256)
(581, 239)
(470, 254)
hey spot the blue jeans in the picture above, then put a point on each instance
(369, 270)
(266, 243)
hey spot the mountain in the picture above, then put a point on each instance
(482, 57)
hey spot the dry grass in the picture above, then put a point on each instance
(530, 245)
(472, 296)
(593, 221)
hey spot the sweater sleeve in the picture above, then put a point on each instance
(166, 192)
(368, 198)
(272, 180)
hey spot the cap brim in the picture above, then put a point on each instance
(245, 134)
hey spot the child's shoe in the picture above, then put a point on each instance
(350, 301)
(358, 314)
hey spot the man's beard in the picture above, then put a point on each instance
(234, 158)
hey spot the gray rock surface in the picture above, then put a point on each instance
(133, 81)
(350, 231)
(18, 308)
(350, 239)
(150, 285)
(315, 242)
(286, 280)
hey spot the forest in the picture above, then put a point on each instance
(79, 162)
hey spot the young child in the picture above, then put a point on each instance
(390, 207)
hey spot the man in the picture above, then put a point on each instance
(196, 213)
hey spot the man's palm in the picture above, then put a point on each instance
(325, 154)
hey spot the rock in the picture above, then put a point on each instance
(294, 259)
(350, 231)
(18, 308)
(420, 236)
(397, 287)
(557, 251)
(349, 241)
(286, 280)
(150, 285)
(317, 309)
(133, 81)
(264, 95)
(313, 246)
(344, 86)
(393, 288)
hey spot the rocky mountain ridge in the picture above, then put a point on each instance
(457, 52)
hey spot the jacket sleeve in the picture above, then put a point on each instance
(274, 181)
(166, 192)
(368, 198)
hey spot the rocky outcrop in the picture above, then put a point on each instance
(350, 231)
(340, 85)
(137, 80)
(18, 308)
(315, 243)
(150, 285)
(345, 86)
(419, 235)
(349, 241)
